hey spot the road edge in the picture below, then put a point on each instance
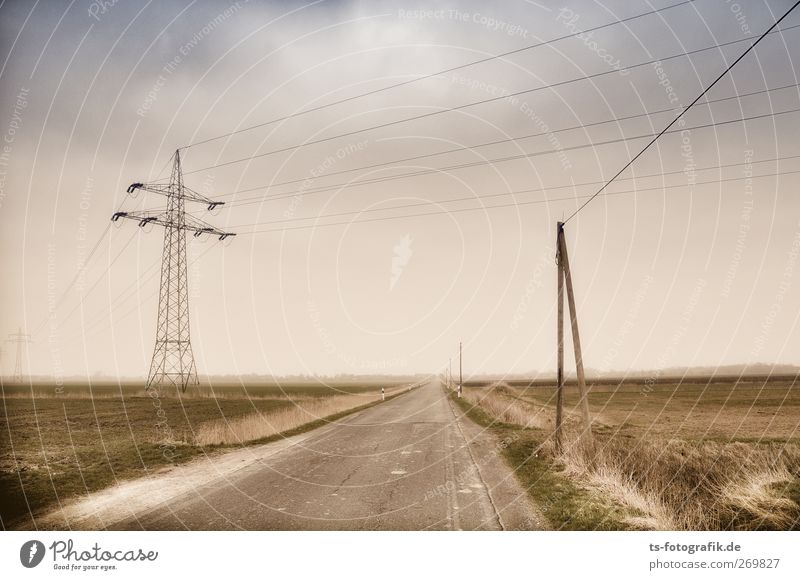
(75, 513)
(512, 503)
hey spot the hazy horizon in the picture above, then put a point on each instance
(755, 369)
(696, 267)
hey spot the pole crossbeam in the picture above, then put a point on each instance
(173, 361)
(190, 223)
(166, 190)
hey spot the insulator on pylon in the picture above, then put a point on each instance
(173, 362)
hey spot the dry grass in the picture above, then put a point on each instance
(692, 485)
(668, 483)
(719, 411)
(54, 446)
(500, 404)
(256, 426)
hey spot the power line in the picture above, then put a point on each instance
(509, 140)
(468, 105)
(124, 295)
(148, 274)
(166, 164)
(78, 274)
(436, 74)
(136, 283)
(518, 192)
(478, 146)
(372, 181)
(508, 205)
(675, 120)
(69, 287)
(93, 286)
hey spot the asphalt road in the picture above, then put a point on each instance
(409, 463)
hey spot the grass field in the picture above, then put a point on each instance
(683, 456)
(57, 445)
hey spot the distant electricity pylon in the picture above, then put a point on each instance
(173, 361)
(19, 338)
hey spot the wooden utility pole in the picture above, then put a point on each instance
(560, 325)
(563, 266)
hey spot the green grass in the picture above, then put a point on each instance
(228, 390)
(693, 459)
(53, 448)
(565, 504)
(34, 490)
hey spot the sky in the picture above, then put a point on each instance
(691, 260)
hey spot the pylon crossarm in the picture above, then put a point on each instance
(173, 361)
(143, 217)
(191, 223)
(199, 227)
(167, 190)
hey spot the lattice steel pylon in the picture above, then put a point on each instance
(173, 361)
(19, 338)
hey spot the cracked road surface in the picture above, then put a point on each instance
(411, 463)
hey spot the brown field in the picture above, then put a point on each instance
(734, 411)
(695, 455)
(55, 446)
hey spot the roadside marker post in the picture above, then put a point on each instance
(460, 371)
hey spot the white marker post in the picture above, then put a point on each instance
(383, 394)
